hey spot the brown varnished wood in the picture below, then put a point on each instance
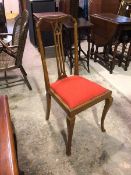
(111, 30)
(103, 35)
(56, 21)
(103, 30)
(8, 161)
(69, 7)
(108, 103)
(110, 6)
(70, 127)
(103, 6)
(121, 20)
(85, 27)
(48, 97)
(57, 28)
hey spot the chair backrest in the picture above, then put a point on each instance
(20, 34)
(103, 31)
(56, 23)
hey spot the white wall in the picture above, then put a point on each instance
(11, 5)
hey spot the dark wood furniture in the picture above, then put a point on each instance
(39, 6)
(84, 30)
(11, 54)
(73, 93)
(3, 23)
(8, 160)
(22, 5)
(69, 7)
(103, 6)
(111, 31)
(125, 8)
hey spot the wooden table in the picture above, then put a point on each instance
(121, 35)
(123, 21)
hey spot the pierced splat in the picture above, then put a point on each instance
(57, 28)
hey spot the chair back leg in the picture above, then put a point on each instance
(48, 98)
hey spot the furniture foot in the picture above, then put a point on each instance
(108, 103)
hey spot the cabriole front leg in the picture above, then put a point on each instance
(108, 102)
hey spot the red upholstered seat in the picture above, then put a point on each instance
(76, 90)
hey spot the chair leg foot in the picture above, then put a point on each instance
(48, 98)
(70, 128)
(25, 78)
(108, 103)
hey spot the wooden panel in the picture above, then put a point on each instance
(69, 7)
(103, 6)
(95, 6)
(110, 6)
(64, 6)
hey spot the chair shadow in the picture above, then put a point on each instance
(97, 146)
(88, 153)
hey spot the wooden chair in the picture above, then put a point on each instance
(73, 93)
(11, 54)
(103, 36)
(125, 8)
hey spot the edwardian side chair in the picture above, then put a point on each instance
(73, 93)
(11, 54)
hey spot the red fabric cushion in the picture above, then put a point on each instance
(76, 90)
